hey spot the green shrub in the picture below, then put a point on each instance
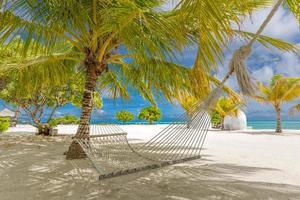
(67, 119)
(216, 118)
(150, 114)
(4, 124)
(124, 116)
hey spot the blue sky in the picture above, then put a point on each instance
(263, 64)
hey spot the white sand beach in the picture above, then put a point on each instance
(251, 164)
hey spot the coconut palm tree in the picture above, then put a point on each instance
(281, 89)
(134, 36)
(99, 31)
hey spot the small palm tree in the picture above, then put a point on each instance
(227, 106)
(280, 90)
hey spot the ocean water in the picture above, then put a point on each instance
(257, 124)
(253, 124)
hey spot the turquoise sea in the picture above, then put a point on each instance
(257, 124)
(254, 124)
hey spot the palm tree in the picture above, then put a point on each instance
(227, 106)
(281, 89)
(132, 36)
(98, 31)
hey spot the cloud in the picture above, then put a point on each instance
(283, 24)
(100, 111)
(264, 63)
(263, 74)
(289, 65)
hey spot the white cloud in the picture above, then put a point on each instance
(289, 65)
(283, 24)
(263, 74)
(264, 63)
(100, 111)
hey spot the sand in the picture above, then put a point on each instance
(252, 164)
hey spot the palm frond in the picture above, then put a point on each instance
(270, 42)
(294, 6)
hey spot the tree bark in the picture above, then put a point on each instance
(15, 119)
(93, 70)
(278, 119)
(222, 123)
(75, 151)
(44, 129)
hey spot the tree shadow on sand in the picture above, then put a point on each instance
(36, 169)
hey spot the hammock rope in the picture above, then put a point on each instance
(110, 152)
(237, 63)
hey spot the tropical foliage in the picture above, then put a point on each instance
(216, 120)
(4, 124)
(294, 7)
(67, 119)
(280, 90)
(150, 113)
(42, 99)
(124, 116)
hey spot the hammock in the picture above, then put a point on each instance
(111, 154)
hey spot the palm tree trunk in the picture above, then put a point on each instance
(44, 129)
(93, 70)
(75, 151)
(278, 119)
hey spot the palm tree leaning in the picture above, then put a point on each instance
(281, 89)
(100, 32)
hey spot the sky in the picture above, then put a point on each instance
(263, 64)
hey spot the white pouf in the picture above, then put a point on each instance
(238, 122)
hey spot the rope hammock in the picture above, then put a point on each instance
(111, 154)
